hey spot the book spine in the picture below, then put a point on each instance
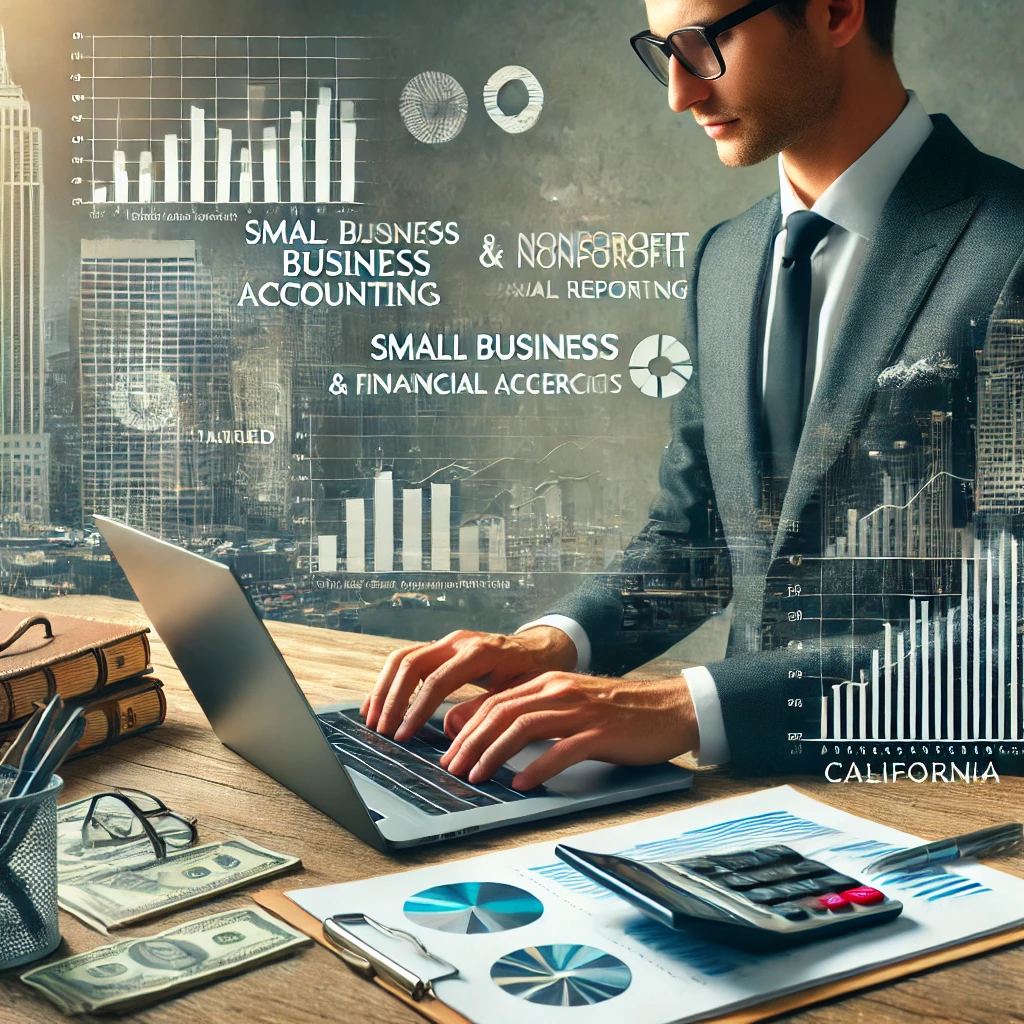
(20, 694)
(123, 660)
(118, 717)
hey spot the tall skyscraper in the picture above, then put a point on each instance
(156, 382)
(24, 447)
(1001, 416)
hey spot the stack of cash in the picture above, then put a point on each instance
(130, 974)
(113, 886)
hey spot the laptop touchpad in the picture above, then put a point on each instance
(584, 779)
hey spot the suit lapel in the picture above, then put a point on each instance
(922, 222)
(731, 283)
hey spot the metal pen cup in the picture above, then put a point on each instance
(29, 929)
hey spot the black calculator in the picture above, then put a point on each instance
(764, 899)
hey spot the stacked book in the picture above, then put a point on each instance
(100, 667)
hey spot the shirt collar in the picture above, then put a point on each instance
(856, 198)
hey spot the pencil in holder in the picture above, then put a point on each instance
(29, 929)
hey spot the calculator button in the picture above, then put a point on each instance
(755, 858)
(808, 887)
(833, 901)
(792, 912)
(864, 896)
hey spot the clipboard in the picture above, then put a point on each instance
(429, 1006)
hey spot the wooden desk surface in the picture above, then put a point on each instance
(185, 764)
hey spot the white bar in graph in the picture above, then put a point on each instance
(146, 177)
(497, 560)
(1001, 626)
(172, 187)
(327, 553)
(900, 686)
(926, 682)
(99, 195)
(1014, 611)
(912, 682)
(322, 155)
(412, 531)
(875, 697)
(355, 535)
(851, 731)
(837, 712)
(939, 661)
(440, 527)
(297, 159)
(271, 192)
(863, 701)
(888, 682)
(469, 548)
(384, 522)
(963, 647)
(245, 176)
(347, 131)
(950, 678)
(224, 141)
(824, 718)
(990, 694)
(197, 156)
(120, 177)
(976, 732)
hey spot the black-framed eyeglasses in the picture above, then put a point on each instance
(695, 47)
(128, 816)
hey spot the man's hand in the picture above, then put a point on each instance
(616, 720)
(489, 660)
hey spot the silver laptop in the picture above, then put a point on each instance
(390, 794)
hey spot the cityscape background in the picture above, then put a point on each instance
(133, 385)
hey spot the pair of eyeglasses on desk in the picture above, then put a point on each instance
(125, 816)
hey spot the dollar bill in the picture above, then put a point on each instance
(76, 862)
(125, 895)
(131, 974)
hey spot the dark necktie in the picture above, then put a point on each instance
(791, 360)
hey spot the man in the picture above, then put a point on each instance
(890, 234)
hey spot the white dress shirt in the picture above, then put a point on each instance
(854, 203)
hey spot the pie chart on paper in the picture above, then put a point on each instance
(472, 908)
(561, 975)
(660, 366)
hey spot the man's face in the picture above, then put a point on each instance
(781, 81)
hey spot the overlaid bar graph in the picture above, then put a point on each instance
(481, 543)
(227, 119)
(952, 672)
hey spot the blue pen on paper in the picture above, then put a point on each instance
(986, 843)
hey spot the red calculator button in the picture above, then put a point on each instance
(865, 896)
(833, 901)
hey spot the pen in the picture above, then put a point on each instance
(986, 843)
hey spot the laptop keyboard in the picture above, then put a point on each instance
(412, 770)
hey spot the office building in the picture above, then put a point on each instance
(24, 448)
(1000, 485)
(155, 387)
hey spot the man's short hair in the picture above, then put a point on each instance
(879, 16)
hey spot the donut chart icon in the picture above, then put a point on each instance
(660, 366)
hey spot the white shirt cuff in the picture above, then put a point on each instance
(576, 633)
(714, 744)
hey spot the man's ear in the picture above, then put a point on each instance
(845, 19)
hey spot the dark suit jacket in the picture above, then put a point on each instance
(949, 246)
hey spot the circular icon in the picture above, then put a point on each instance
(562, 975)
(434, 107)
(468, 908)
(514, 124)
(660, 366)
(146, 401)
